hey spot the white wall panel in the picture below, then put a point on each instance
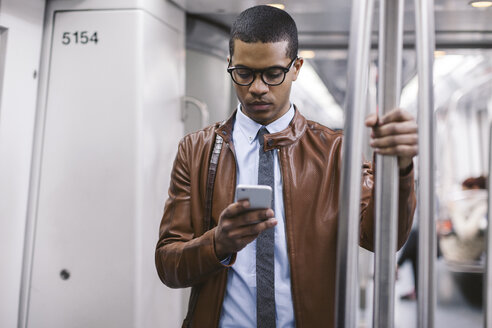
(160, 130)
(111, 131)
(167, 11)
(21, 22)
(208, 81)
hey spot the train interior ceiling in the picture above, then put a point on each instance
(95, 96)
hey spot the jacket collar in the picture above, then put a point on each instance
(286, 137)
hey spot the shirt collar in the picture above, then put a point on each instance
(250, 128)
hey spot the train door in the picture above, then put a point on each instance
(108, 129)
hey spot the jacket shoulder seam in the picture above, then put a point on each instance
(315, 126)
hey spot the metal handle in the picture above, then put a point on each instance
(424, 25)
(200, 105)
(348, 221)
(387, 173)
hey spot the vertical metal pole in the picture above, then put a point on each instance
(487, 279)
(348, 221)
(424, 27)
(387, 172)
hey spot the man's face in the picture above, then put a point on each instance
(261, 102)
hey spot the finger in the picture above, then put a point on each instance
(253, 230)
(392, 141)
(394, 128)
(253, 217)
(396, 115)
(371, 120)
(404, 162)
(237, 208)
(400, 150)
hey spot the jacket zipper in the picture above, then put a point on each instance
(288, 240)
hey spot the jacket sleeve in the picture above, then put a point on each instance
(182, 258)
(406, 207)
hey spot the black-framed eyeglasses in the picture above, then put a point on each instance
(271, 76)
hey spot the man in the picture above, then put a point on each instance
(222, 264)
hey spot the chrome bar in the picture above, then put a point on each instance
(487, 277)
(424, 27)
(35, 174)
(202, 109)
(348, 221)
(387, 172)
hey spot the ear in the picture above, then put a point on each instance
(297, 67)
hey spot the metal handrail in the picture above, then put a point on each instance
(200, 105)
(348, 221)
(391, 35)
(424, 25)
(387, 172)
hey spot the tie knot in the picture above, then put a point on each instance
(261, 132)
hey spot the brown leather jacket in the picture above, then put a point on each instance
(309, 154)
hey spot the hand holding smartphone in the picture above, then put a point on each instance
(239, 226)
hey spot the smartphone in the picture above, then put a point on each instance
(259, 196)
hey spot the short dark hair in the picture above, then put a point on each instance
(475, 183)
(265, 24)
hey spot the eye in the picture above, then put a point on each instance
(273, 73)
(243, 73)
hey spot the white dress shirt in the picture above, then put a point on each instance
(239, 306)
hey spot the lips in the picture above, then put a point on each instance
(259, 105)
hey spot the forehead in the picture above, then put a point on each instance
(259, 54)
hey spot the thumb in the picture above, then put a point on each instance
(371, 120)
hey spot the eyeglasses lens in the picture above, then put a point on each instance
(243, 75)
(271, 76)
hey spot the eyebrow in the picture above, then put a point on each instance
(244, 66)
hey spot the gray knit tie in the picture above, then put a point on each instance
(265, 261)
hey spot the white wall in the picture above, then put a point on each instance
(22, 132)
(24, 21)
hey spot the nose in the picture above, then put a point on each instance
(258, 87)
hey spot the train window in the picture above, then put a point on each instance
(462, 88)
(462, 102)
(463, 85)
(315, 98)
